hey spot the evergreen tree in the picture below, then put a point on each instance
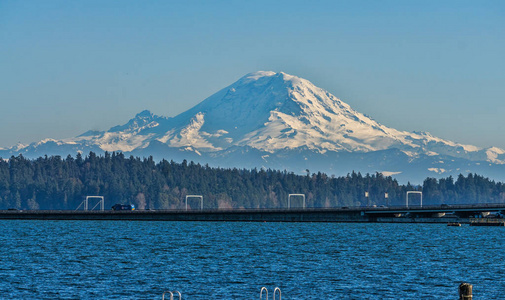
(57, 183)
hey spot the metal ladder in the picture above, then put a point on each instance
(171, 295)
(266, 293)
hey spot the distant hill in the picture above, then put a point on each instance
(279, 121)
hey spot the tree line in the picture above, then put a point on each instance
(53, 182)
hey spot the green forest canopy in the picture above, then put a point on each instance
(56, 183)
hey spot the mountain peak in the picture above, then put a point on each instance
(276, 117)
(269, 76)
(142, 120)
(258, 74)
(144, 114)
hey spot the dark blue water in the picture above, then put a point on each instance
(139, 260)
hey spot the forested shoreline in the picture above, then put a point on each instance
(53, 182)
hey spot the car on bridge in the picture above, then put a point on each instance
(123, 207)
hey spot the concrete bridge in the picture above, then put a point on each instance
(411, 214)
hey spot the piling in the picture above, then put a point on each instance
(465, 291)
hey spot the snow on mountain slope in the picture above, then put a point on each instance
(496, 155)
(126, 138)
(271, 111)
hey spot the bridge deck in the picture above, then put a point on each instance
(352, 214)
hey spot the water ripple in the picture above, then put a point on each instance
(139, 260)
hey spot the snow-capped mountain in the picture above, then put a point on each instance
(277, 120)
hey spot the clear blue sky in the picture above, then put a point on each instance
(70, 66)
